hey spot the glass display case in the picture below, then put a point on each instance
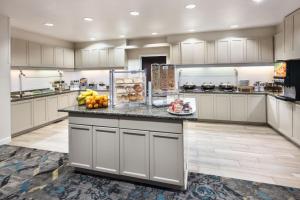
(163, 78)
(128, 87)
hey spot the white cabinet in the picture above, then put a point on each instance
(103, 56)
(296, 123)
(63, 102)
(116, 57)
(134, 153)
(257, 111)
(272, 111)
(285, 120)
(85, 58)
(94, 58)
(80, 146)
(68, 58)
(175, 54)
(279, 46)
(34, 54)
(19, 52)
(210, 57)
(39, 111)
(296, 35)
(193, 52)
(237, 50)
(73, 98)
(106, 149)
(205, 106)
(238, 108)
(223, 51)
(21, 116)
(48, 56)
(289, 36)
(252, 50)
(59, 57)
(166, 158)
(222, 107)
(52, 107)
(266, 50)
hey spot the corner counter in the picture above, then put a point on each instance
(142, 143)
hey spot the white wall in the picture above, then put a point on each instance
(5, 117)
(46, 77)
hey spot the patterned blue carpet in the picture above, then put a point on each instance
(35, 174)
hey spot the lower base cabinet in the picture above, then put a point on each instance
(238, 107)
(205, 106)
(134, 153)
(285, 118)
(52, 107)
(39, 111)
(166, 158)
(80, 146)
(222, 107)
(296, 123)
(257, 111)
(106, 149)
(21, 116)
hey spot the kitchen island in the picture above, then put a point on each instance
(140, 143)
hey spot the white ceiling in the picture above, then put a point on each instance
(112, 18)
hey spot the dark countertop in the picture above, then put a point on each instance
(219, 92)
(143, 111)
(49, 94)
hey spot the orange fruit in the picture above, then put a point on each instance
(96, 105)
(88, 101)
(93, 102)
(105, 104)
(105, 98)
(90, 106)
(97, 98)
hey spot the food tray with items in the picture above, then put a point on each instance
(129, 87)
(179, 107)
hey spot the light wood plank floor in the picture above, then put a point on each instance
(252, 153)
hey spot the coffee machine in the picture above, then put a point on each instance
(288, 75)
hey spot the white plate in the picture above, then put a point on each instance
(181, 113)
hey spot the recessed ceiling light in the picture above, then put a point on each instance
(234, 26)
(92, 38)
(192, 30)
(122, 36)
(257, 1)
(49, 24)
(134, 13)
(154, 33)
(88, 19)
(190, 6)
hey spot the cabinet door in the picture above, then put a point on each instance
(19, 52)
(237, 50)
(187, 52)
(80, 146)
(206, 106)
(106, 149)
(210, 52)
(85, 58)
(94, 58)
(48, 59)
(266, 50)
(116, 57)
(34, 54)
(21, 116)
(73, 98)
(68, 58)
(63, 102)
(252, 50)
(223, 51)
(175, 54)
(39, 111)
(279, 46)
(296, 124)
(296, 35)
(238, 108)
(103, 56)
(222, 107)
(52, 107)
(272, 111)
(288, 36)
(257, 108)
(285, 111)
(134, 153)
(59, 57)
(166, 158)
(199, 52)
(78, 59)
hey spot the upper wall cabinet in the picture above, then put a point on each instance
(279, 46)
(289, 36)
(193, 52)
(252, 50)
(34, 54)
(175, 54)
(210, 57)
(223, 51)
(297, 34)
(237, 50)
(19, 50)
(29, 54)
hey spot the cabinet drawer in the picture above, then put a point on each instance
(160, 126)
(94, 121)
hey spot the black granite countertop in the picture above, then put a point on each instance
(219, 92)
(46, 94)
(143, 111)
